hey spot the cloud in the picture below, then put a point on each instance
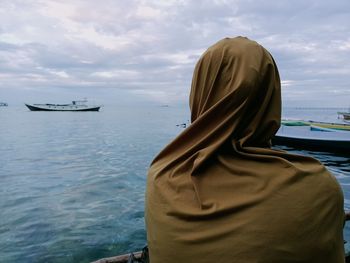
(149, 48)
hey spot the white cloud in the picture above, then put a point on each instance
(128, 74)
(344, 45)
(150, 47)
(61, 74)
(147, 12)
(287, 83)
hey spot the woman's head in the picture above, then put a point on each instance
(235, 103)
(237, 77)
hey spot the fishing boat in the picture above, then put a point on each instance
(346, 115)
(134, 257)
(328, 125)
(313, 137)
(76, 105)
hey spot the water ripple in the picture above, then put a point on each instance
(72, 185)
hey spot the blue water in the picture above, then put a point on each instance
(72, 184)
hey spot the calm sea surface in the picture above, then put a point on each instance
(72, 184)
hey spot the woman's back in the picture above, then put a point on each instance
(219, 193)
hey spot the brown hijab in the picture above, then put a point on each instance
(219, 193)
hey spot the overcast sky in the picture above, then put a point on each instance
(114, 51)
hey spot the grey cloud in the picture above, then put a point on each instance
(151, 47)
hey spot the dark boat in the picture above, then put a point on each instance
(314, 138)
(121, 258)
(135, 257)
(76, 105)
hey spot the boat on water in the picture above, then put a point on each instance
(125, 258)
(134, 257)
(346, 115)
(328, 125)
(76, 105)
(313, 137)
(3, 104)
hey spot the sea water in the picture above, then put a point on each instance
(72, 183)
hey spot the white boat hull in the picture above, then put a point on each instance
(61, 107)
